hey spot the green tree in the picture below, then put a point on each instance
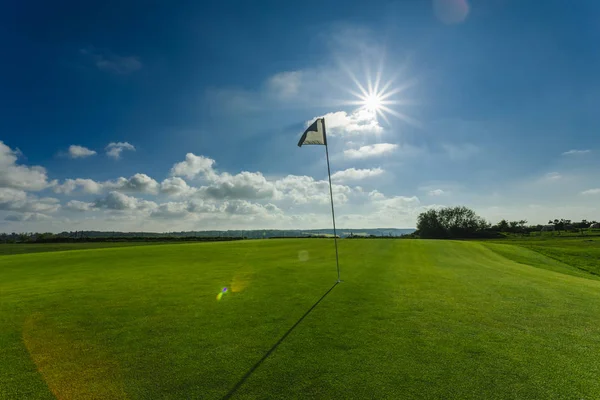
(429, 225)
(451, 222)
(502, 226)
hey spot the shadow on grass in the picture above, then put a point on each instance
(272, 349)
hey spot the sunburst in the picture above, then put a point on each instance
(381, 99)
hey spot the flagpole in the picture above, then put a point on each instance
(337, 261)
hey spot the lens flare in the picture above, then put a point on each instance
(222, 293)
(240, 281)
(303, 256)
(92, 372)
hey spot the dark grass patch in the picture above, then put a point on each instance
(24, 248)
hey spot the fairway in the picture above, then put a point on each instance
(411, 319)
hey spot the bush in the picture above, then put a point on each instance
(451, 222)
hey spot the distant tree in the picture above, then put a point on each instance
(451, 222)
(519, 226)
(584, 224)
(502, 226)
(429, 225)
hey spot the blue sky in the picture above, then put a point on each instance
(186, 115)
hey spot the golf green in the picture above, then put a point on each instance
(411, 319)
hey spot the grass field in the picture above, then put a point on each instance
(23, 248)
(578, 256)
(412, 319)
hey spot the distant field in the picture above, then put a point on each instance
(579, 255)
(413, 319)
(8, 249)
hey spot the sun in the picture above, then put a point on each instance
(381, 99)
(372, 102)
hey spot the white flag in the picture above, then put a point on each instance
(314, 134)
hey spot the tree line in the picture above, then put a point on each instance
(77, 237)
(462, 222)
(442, 223)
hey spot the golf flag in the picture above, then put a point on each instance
(314, 134)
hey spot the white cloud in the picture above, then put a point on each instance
(114, 149)
(249, 185)
(576, 152)
(447, 187)
(75, 205)
(221, 186)
(397, 204)
(176, 187)
(382, 211)
(223, 200)
(370, 150)
(591, 191)
(192, 166)
(376, 195)
(298, 88)
(238, 210)
(120, 201)
(86, 185)
(353, 174)
(110, 62)
(245, 211)
(138, 183)
(552, 176)
(436, 192)
(199, 206)
(18, 200)
(171, 210)
(245, 185)
(76, 151)
(305, 189)
(244, 207)
(361, 121)
(20, 176)
(193, 209)
(285, 85)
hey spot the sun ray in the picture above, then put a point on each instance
(382, 115)
(369, 80)
(388, 84)
(356, 81)
(399, 89)
(378, 96)
(401, 116)
(378, 77)
(356, 94)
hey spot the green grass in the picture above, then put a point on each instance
(412, 319)
(579, 256)
(23, 248)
